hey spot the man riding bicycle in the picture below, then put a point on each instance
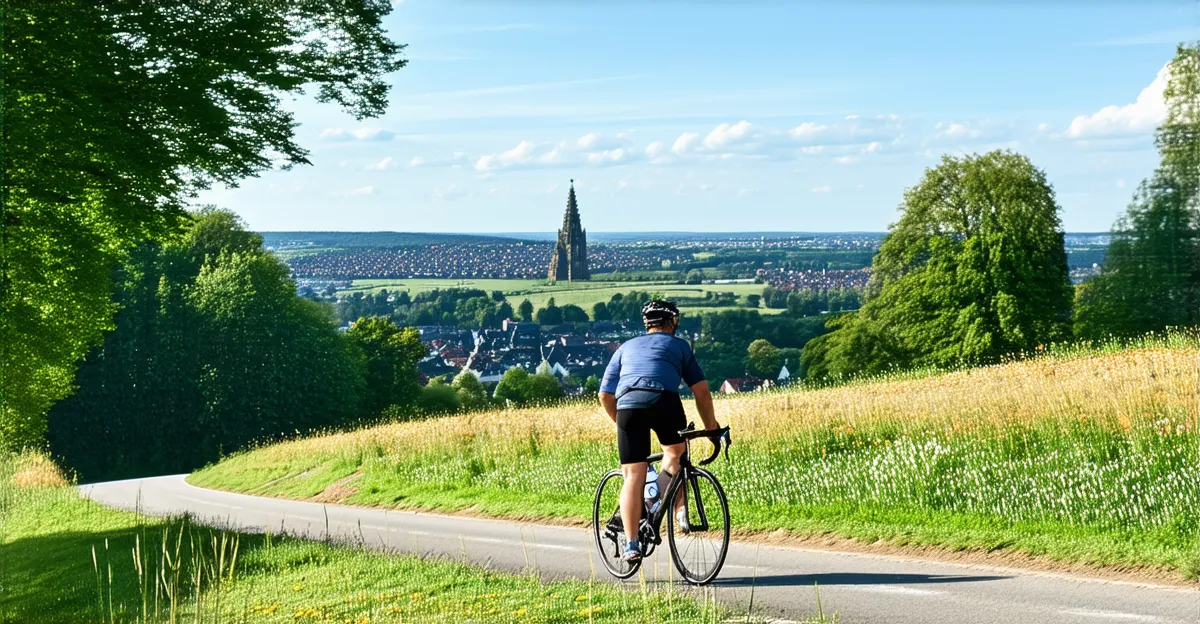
(640, 392)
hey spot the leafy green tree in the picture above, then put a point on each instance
(600, 312)
(763, 359)
(511, 388)
(592, 385)
(520, 388)
(695, 276)
(805, 302)
(504, 311)
(542, 388)
(753, 301)
(472, 395)
(572, 313)
(392, 353)
(114, 114)
(212, 346)
(438, 398)
(1151, 275)
(550, 315)
(974, 269)
(525, 310)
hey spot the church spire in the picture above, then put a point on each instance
(569, 260)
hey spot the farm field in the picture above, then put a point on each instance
(582, 294)
(1082, 455)
(69, 560)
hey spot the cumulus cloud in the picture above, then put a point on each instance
(1143, 115)
(417, 161)
(590, 149)
(381, 165)
(685, 143)
(357, 134)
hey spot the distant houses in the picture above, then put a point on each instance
(745, 384)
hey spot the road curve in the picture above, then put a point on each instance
(862, 588)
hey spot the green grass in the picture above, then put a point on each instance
(582, 294)
(1089, 456)
(48, 575)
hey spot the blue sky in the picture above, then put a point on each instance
(727, 116)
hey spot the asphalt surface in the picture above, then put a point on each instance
(861, 588)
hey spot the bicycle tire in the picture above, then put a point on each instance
(694, 503)
(609, 549)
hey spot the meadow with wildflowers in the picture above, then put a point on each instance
(1084, 454)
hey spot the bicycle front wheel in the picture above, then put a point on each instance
(608, 528)
(699, 546)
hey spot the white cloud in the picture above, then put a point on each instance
(361, 191)
(357, 134)
(655, 149)
(845, 160)
(417, 161)
(956, 130)
(685, 143)
(381, 165)
(822, 189)
(809, 130)
(1120, 184)
(726, 134)
(705, 188)
(747, 192)
(1142, 116)
(519, 155)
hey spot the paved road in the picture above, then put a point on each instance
(862, 588)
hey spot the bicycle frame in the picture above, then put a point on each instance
(684, 476)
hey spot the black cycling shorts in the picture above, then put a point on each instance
(666, 418)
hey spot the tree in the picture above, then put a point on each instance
(471, 393)
(600, 312)
(550, 315)
(804, 302)
(592, 385)
(498, 296)
(511, 388)
(974, 269)
(211, 345)
(763, 359)
(437, 398)
(752, 301)
(520, 388)
(392, 354)
(695, 276)
(1151, 275)
(572, 313)
(542, 388)
(525, 310)
(504, 312)
(115, 114)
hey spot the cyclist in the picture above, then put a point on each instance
(640, 392)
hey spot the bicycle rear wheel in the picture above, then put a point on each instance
(699, 550)
(608, 528)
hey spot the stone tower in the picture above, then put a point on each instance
(569, 261)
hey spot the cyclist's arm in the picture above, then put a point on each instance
(609, 401)
(608, 385)
(704, 404)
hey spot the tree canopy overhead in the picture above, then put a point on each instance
(114, 114)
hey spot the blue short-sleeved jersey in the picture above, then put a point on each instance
(655, 361)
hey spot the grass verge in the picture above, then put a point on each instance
(1088, 455)
(66, 559)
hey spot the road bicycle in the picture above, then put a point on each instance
(698, 549)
